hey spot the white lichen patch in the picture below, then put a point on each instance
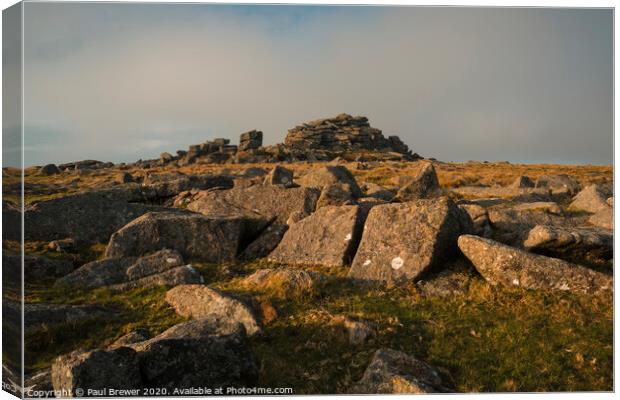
(397, 263)
(171, 260)
(347, 238)
(516, 282)
(367, 263)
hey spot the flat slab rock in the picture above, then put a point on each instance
(213, 239)
(287, 282)
(395, 372)
(260, 201)
(327, 237)
(402, 241)
(509, 266)
(555, 238)
(200, 301)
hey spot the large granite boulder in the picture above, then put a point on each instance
(250, 140)
(422, 185)
(509, 266)
(200, 301)
(95, 373)
(327, 237)
(197, 354)
(592, 199)
(210, 238)
(259, 201)
(395, 372)
(402, 241)
(329, 175)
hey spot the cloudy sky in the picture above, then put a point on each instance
(118, 82)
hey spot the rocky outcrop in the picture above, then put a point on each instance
(327, 237)
(285, 282)
(329, 175)
(257, 202)
(250, 140)
(509, 266)
(94, 373)
(402, 241)
(342, 133)
(422, 185)
(49, 169)
(213, 239)
(394, 372)
(199, 301)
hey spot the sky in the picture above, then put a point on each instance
(119, 82)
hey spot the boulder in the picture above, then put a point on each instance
(543, 237)
(279, 176)
(213, 239)
(250, 140)
(560, 182)
(154, 263)
(268, 202)
(90, 217)
(422, 185)
(402, 241)
(479, 217)
(183, 275)
(68, 245)
(264, 243)
(378, 192)
(394, 372)
(49, 169)
(199, 301)
(98, 273)
(124, 177)
(336, 194)
(328, 175)
(592, 199)
(509, 266)
(285, 282)
(522, 182)
(358, 331)
(543, 206)
(197, 354)
(165, 157)
(93, 373)
(603, 219)
(327, 237)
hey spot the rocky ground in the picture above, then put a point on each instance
(341, 276)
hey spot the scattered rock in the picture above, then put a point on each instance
(183, 275)
(49, 169)
(544, 206)
(195, 354)
(98, 370)
(279, 176)
(543, 237)
(402, 241)
(422, 185)
(154, 263)
(523, 182)
(199, 301)
(358, 332)
(560, 182)
(328, 175)
(327, 237)
(508, 266)
(392, 371)
(63, 245)
(213, 239)
(285, 282)
(592, 199)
